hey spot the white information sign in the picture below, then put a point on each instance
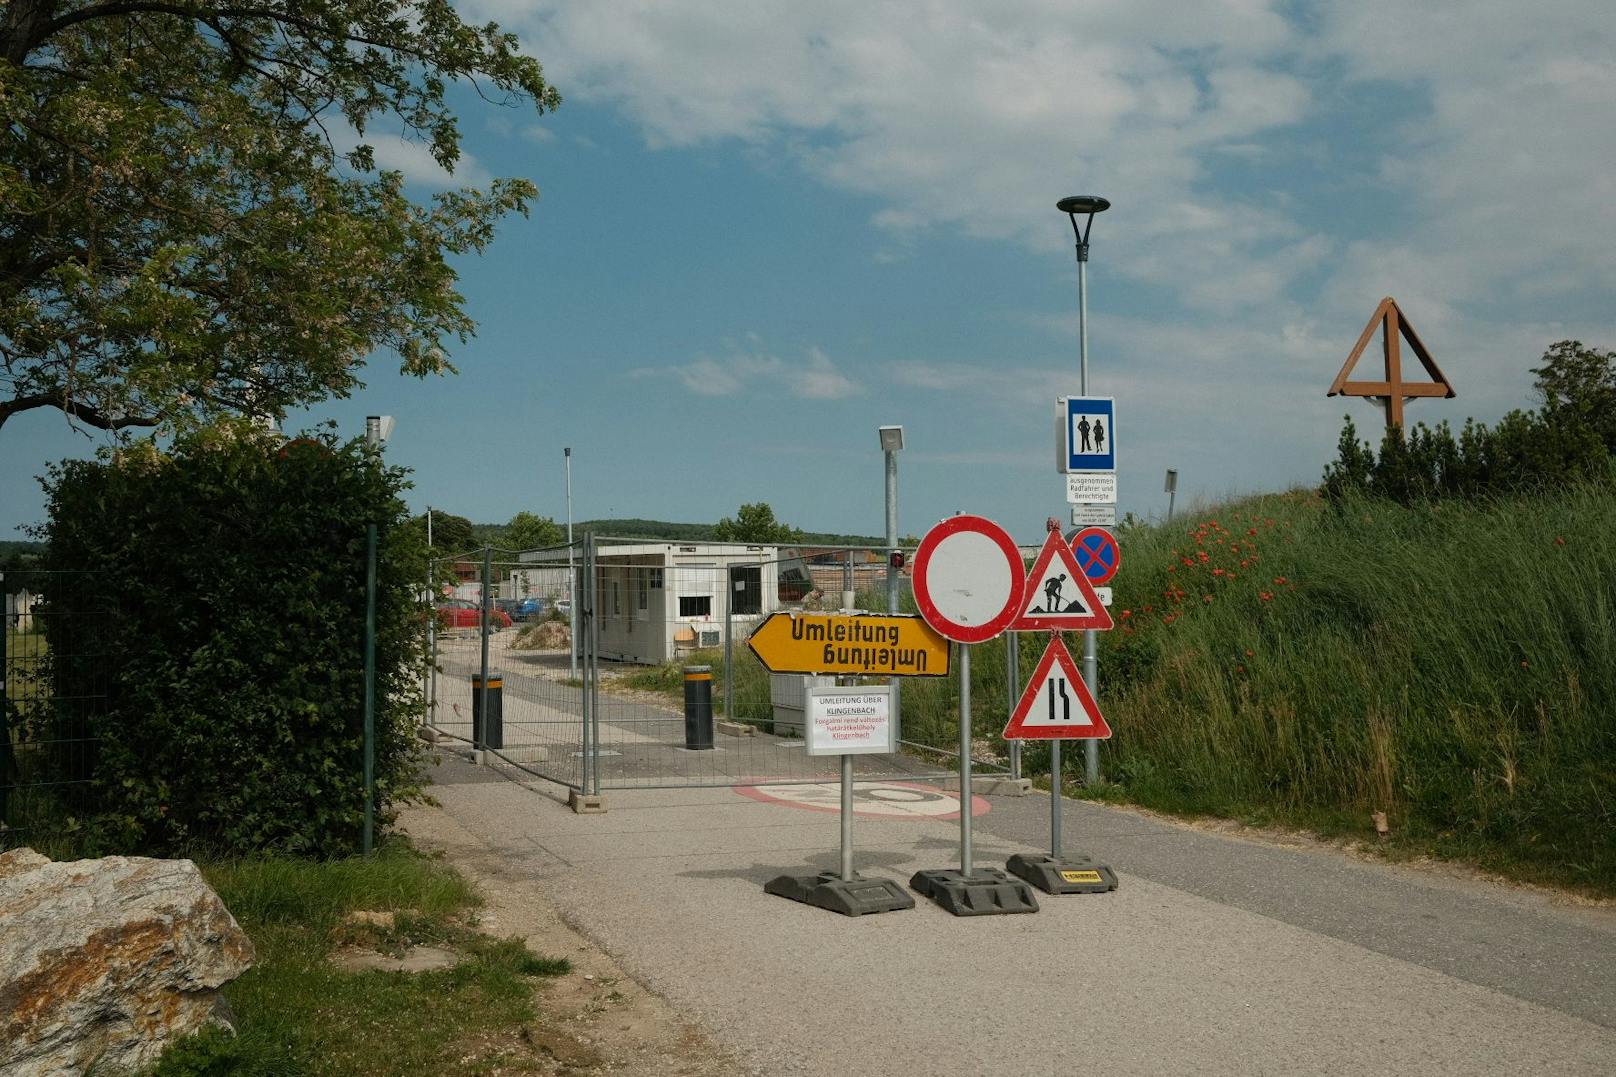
(1094, 515)
(1092, 488)
(1105, 595)
(850, 721)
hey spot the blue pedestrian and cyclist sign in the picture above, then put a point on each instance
(1088, 434)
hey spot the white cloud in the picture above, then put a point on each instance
(977, 118)
(815, 377)
(413, 159)
(988, 115)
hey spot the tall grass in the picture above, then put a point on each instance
(1451, 664)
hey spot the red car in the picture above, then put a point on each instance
(463, 613)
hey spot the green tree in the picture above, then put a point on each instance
(755, 523)
(529, 532)
(183, 234)
(1578, 385)
(450, 533)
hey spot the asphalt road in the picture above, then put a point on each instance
(1215, 956)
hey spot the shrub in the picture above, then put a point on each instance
(235, 564)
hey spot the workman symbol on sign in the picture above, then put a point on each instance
(1083, 435)
(1052, 591)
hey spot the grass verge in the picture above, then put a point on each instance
(300, 1014)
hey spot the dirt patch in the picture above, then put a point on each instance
(595, 1020)
(546, 636)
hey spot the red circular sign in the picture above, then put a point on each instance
(1098, 554)
(968, 579)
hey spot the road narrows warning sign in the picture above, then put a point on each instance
(1056, 704)
(1058, 595)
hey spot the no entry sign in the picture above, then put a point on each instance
(968, 579)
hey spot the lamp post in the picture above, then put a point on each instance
(378, 428)
(891, 445)
(572, 590)
(1170, 489)
(1074, 206)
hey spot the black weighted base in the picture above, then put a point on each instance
(984, 892)
(1068, 875)
(853, 897)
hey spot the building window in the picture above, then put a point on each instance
(746, 589)
(617, 599)
(695, 605)
(656, 579)
(642, 589)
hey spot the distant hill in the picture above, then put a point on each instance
(662, 529)
(665, 531)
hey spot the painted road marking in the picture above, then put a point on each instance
(886, 800)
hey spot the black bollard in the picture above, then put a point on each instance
(488, 730)
(699, 708)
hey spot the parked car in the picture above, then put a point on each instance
(529, 609)
(463, 613)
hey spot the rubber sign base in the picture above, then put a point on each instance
(850, 897)
(1067, 875)
(984, 892)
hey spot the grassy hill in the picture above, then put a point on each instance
(1287, 659)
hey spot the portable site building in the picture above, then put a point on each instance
(657, 601)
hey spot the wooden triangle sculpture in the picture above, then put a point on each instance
(1393, 390)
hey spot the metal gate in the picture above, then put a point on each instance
(588, 679)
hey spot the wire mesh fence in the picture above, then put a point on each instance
(575, 655)
(57, 673)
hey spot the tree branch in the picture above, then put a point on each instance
(76, 408)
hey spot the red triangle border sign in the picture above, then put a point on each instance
(1098, 617)
(1055, 655)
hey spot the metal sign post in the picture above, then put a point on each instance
(846, 721)
(1056, 706)
(969, 586)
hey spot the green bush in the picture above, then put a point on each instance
(235, 569)
(1571, 439)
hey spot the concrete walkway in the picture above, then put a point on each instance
(1216, 955)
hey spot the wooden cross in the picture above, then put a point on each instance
(1392, 391)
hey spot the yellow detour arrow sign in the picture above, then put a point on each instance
(850, 645)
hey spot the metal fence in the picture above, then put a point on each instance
(57, 673)
(588, 673)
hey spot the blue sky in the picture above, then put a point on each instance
(767, 228)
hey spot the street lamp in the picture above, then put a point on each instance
(1171, 489)
(892, 445)
(1074, 206)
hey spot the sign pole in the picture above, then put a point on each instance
(847, 818)
(846, 721)
(965, 759)
(1091, 749)
(1055, 799)
(970, 581)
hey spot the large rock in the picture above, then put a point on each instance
(102, 962)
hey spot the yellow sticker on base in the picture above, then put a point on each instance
(1081, 876)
